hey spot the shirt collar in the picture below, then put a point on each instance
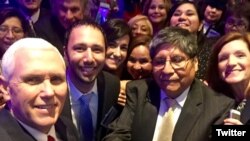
(75, 93)
(180, 99)
(39, 136)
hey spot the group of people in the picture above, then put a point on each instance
(66, 77)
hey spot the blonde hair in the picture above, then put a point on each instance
(137, 18)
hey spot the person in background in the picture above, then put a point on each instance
(34, 82)
(229, 70)
(238, 19)
(157, 11)
(139, 61)
(92, 92)
(140, 25)
(13, 26)
(118, 35)
(172, 92)
(64, 13)
(139, 64)
(214, 14)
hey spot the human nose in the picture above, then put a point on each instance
(137, 66)
(182, 17)
(167, 68)
(117, 52)
(232, 60)
(47, 89)
(9, 34)
(88, 56)
(69, 15)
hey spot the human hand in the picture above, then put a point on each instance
(232, 121)
(122, 95)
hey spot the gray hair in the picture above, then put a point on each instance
(178, 37)
(8, 60)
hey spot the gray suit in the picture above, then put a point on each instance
(202, 109)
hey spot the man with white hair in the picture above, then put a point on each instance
(35, 88)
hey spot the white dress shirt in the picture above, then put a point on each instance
(163, 108)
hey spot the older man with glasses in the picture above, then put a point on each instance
(173, 106)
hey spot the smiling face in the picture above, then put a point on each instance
(157, 12)
(38, 88)
(141, 27)
(173, 81)
(234, 62)
(116, 53)
(186, 17)
(139, 62)
(10, 31)
(85, 53)
(212, 14)
(69, 11)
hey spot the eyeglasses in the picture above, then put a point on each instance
(237, 23)
(176, 62)
(15, 30)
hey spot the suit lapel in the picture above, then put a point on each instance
(191, 111)
(149, 112)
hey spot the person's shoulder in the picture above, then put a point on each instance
(108, 76)
(209, 93)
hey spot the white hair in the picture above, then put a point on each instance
(8, 60)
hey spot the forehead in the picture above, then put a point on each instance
(86, 34)
(157, 2)
(69, 3)
(235, 45)
(169, 49)
(38, 59)
(186, 7)
(12, 21)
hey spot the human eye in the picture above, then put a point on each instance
(177, 59)
(222, 58)
(17, 30)
(112, 45)
(144, 61)
(75, 9)
(190, 13)
(33, 80)
(132, 59)
(97, 49)
(159, 61)
(240, 54)
(124, 47)
(152, 7)
(57, 79)
(177, 13)
(79, 48)
(3, 29)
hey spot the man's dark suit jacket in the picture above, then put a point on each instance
(108, 87)
(202, 109)
(12, 130)
(50, 29)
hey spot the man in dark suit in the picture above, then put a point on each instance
(148, 106)
(64, 13)
(85, 55)
(34, 85)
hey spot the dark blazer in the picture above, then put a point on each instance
(13, 130)
(50, 29)
(202, 109)
(245, 114)
(108, 87)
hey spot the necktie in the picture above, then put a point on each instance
(167, 127)
(85, 118)
(50, 138)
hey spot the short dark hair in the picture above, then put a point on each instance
(176, 36)
(8, 12)
(84, 22)
(115, 29)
